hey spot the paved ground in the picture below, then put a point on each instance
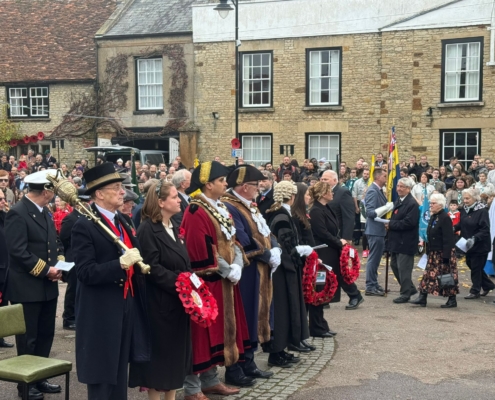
(382, 351)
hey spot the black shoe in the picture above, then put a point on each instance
(309, 346)
(451, 303)
(242, 381)
(325, 335)
(3, 343)
(485, 292)
(471, 296)
(46, 387)
(374, 292)
(326, 306)
(70, 327)
(301, 348)
(401, 300)
(332, 332)
(258, 373)
(354, 303)
(413, 293)
(289, 357)
(34, 394)
(420, 300)
(274, 360)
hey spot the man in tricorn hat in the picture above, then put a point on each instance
(256, 240)
(33, 247)
(110, 301)
(210, 237)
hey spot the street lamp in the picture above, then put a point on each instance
(223, 9)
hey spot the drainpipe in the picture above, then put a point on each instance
(492, 38)
(97, 90)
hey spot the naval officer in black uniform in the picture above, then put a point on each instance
(33, 249)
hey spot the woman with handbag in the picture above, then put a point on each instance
(440, 275)
(474, 226)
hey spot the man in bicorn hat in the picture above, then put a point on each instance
(256, 240)
(215, 257)
(33, 249)
(111, 319)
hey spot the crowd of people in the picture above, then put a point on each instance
(247, 232)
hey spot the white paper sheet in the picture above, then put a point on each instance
(461, 244)
(385, 221)
(423, 261)
(64, 266)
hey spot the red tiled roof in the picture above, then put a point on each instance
(50, 39)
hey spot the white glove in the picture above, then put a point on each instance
(380, 211)
(304, 251)
(235, 273)
(470, 243)
(275, 258)
(130, 258)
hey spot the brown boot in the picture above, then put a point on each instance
(221, 389)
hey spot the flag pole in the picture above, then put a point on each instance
(387, 254)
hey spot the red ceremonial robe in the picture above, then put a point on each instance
(222, 343)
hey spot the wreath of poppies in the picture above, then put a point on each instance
(311, 296)
(349, 273)
(198, 303)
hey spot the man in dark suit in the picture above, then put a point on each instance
(181, 181)
(342, 205)
(265, 198)
(111, 314)
(49, 160)
(33, 247)
(402, 232)
(4, 262)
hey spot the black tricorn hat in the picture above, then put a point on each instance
(100, 176)
(244, 173)
(206, 172)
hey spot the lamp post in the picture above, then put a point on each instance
(223, 9)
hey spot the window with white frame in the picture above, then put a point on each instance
(324, 77)
(256, 149)
(323, 145)
(463, 144)
(256, 79)
(28, 101)
(150, 84)
(462, 70)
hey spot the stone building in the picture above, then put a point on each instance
(333, 77)
(145, 77)
(48, 63)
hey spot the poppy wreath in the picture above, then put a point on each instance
(349, 274)
(198, 303)
(311, 296)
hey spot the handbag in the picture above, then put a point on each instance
(446, 281)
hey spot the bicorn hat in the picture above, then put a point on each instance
(206, 172)
(100, 176)
(244, 173)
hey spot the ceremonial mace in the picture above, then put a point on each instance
(68, 193)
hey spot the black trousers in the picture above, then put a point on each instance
(479, 278)
(105, 391)
(318, 325)
(350, 289)
(40, 328)
(238, 370)
(69, 314)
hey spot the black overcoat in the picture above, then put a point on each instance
(265, 202)
(4, 259)
(403, 227)
(344, 209)
(476, 224)
(33, 248)
(170, 326)
(290, 324)
(440, 234)
(100, 303)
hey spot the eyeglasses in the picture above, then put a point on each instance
(251, 184)
(3, 199)
(115, 188)
(4, 180)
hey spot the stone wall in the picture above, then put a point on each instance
(387, 78)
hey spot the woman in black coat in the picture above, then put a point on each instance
(325, 227)
(440, 249)
(164, 252)
(290, 322)
(475, 228)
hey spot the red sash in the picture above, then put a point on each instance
(122, 233)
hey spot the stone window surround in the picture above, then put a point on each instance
(329, 106)
(257, 134)
(329, 134)
(139, 108)
(28, 103)
(256, 107)
(443, 159)
(462, 103)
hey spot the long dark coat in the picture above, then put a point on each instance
(290, 322)
(100, 303)
(4, 259)
(265, 202)
(404, 226)
(170, 326)
(476, 224)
